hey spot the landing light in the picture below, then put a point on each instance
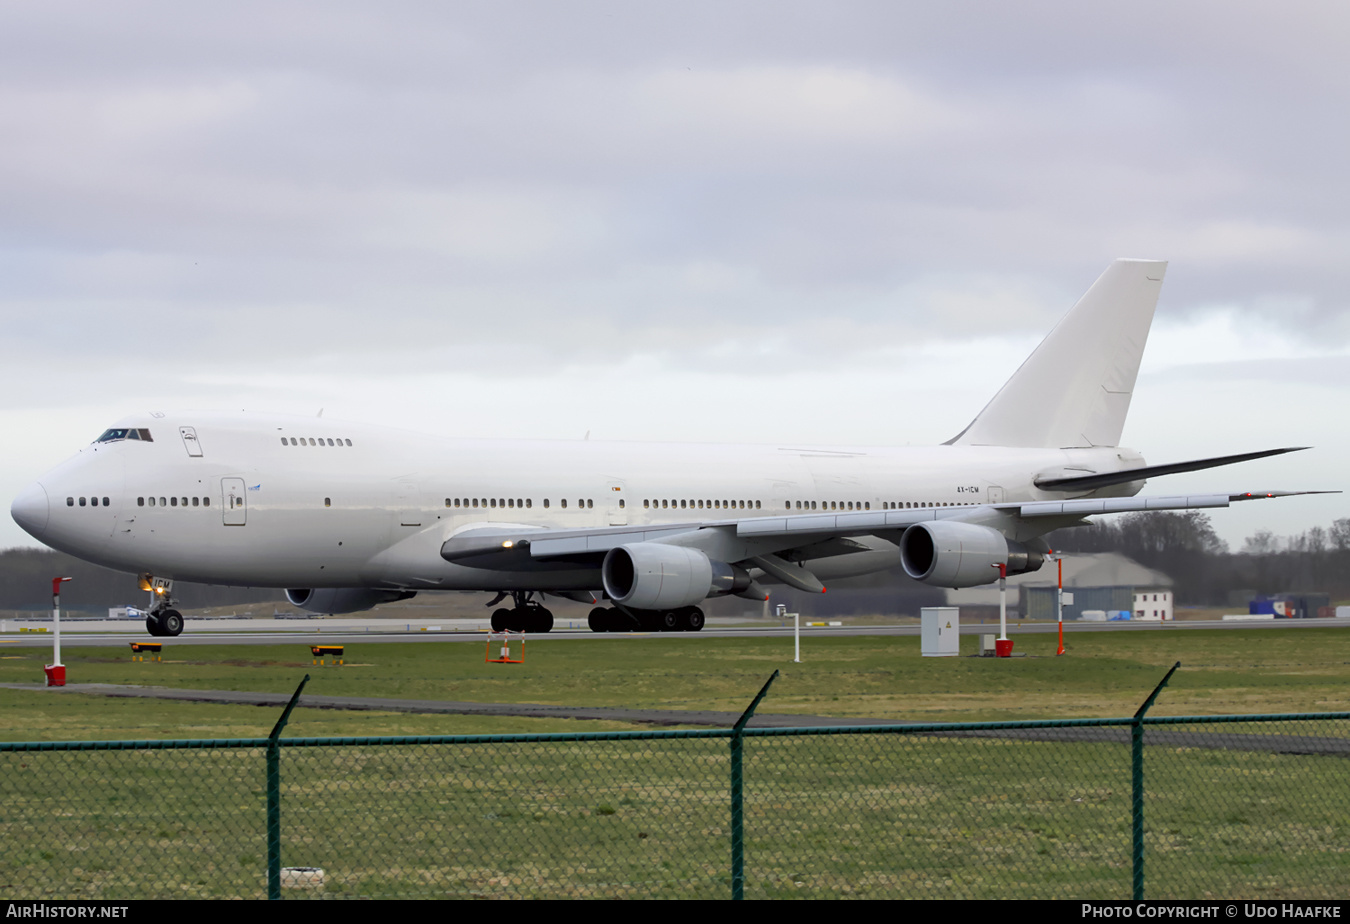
(507, 544)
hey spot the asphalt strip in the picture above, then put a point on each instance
(429, 706)
(1318, 745)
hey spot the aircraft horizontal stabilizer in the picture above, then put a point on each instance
(1106, 479)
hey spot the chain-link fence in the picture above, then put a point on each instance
(1255, 806)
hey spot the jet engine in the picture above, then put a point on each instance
(962, 554)
(343, 599)
(654, 576)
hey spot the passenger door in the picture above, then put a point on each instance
(232, 501)
(614, 501)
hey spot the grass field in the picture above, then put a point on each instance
(865, 816)
(881, 816)
(1104, 674)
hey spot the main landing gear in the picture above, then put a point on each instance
(684, 619)
(526, 616)
(161, 620)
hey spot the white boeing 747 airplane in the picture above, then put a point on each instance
(346, 517)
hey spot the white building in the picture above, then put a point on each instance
(1153, 604)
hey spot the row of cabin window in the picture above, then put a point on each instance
(509, 502)
(867, 505)
(701, 504)
(176, 501)
(788, 505)
(93, 502)
(290, 441)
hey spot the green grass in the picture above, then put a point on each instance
(1104, 674)
(865, 816)
(884, 816)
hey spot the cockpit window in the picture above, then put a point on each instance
(123, 433)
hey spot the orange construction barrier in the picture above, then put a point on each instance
(505, 638)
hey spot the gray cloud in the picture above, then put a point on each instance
(265, 204)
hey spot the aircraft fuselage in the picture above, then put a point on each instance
(309, 502)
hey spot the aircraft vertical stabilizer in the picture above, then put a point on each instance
(1074, 390)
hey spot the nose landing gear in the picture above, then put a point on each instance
(162, 620)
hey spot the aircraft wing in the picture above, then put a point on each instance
(737, 540)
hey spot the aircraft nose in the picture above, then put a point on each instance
(31, 509)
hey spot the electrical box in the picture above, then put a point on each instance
(940, 631)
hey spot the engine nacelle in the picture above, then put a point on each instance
(962, 554)
(343, 599)
(654, 576)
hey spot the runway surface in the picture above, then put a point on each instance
(350, 631)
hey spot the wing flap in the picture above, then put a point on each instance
(1083, 508)
(1088, 507)
(838, 523)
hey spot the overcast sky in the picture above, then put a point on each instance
(834, 223)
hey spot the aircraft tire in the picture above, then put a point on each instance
(152, 625)
(668, 620)
(538, 619)
(691, 619)
(171, 623)
(598, 619)
(502, 620)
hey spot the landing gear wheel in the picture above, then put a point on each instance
(598, 620)
(501, 620)
(152, 625)
(536, 619)
(668, 621)
(171, 623)
(691, 619)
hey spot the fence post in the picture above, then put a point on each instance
(1137, 784)
(274, 797)
(737, 805)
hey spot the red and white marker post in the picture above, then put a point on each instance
(56, 671)
(1003, 645)
(1059, 603)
